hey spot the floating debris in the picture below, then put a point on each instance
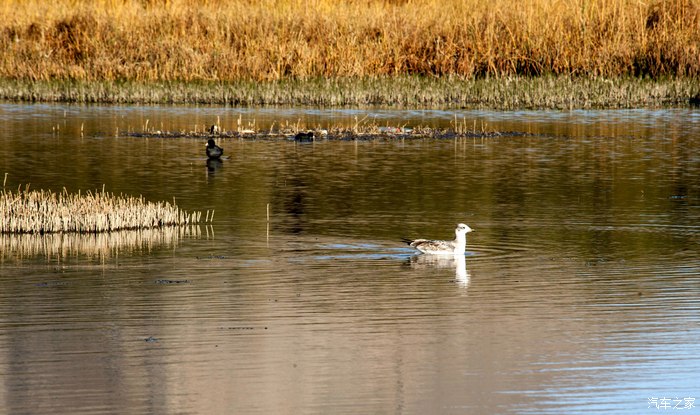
(212, 257)
(41, 212)
(50, 284)
(395, 130)
(172, 281)
(242, 328)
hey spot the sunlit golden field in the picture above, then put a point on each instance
(270, 40)
(273, 39)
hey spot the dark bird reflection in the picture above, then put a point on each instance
(213, 165)
(295, 205)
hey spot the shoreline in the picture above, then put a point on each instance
(498, 93)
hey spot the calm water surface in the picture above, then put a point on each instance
(580, 291)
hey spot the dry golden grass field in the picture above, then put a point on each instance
(291, 40)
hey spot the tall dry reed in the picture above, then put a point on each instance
(41, 211)
(192, 40)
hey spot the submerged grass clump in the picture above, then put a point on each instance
(362, 129)
(41, 212)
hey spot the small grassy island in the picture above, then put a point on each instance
(43, 212)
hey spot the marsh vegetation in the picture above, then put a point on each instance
(557, 92)
(28, 211)
(505, 54)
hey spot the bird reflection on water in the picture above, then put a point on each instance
(456, 262)
(213, 165)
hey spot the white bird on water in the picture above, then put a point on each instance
(436, 247)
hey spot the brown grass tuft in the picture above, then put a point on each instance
(41, 212)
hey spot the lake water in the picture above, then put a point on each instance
(579, 293)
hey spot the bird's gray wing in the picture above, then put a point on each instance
(432, 245)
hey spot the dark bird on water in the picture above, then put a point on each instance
(304, 137)
(214, 151)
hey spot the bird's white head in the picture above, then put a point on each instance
(463, 229)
